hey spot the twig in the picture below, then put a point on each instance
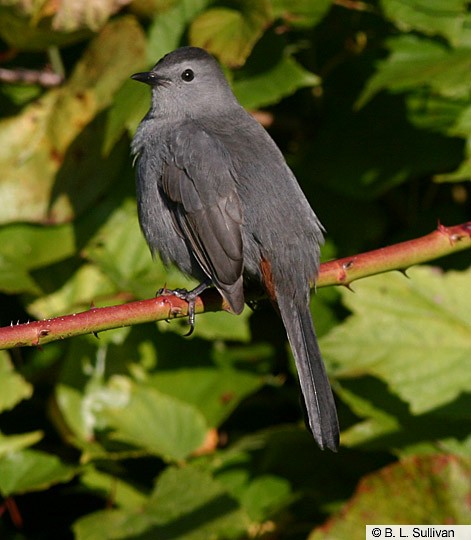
(443, 241)
(28, 76)
(355, 5)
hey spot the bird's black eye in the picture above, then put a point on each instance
(188, 75)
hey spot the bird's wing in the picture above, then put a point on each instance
(199, 182)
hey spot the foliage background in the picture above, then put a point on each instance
(142, 433)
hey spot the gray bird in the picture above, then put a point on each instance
(217, 199)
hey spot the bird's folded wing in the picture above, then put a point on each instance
(199, 181)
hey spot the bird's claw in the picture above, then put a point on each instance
(190, 298)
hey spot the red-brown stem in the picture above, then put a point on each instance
(443, 241)
(14, 512)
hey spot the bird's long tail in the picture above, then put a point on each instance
(315, 386)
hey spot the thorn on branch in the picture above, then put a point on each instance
(452, 238)
(164, 296)
(41, 333)
(344, 268)
(456, 237)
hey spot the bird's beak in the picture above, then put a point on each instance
(149, 77)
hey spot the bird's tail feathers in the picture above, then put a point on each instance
(315, 386)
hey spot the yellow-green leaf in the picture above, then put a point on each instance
(231, 33)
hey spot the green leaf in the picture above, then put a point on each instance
(13, 388)
(113, 488)
(187, 503)
(315, 479)
(81, 390)
(25, 247)
(447, 18)
(78, 293)
(112, 525)
(433, 490)
(462, 172)
(356, 153)
(224, 326)
(119, 250)
(369, 398)
(50, 154)
(462, 126)
(435, 112)
(459, 448)
(168, 28)
(14, 280)
(301, 13)
(74, 412)
(266, 495)
(390, 424)
(273, 84)
(31, 470)
(231, 33)
(414, 334)
(418, 62)
(146, 418)
(129, 107)
(215, 392)
(149, 8)
(10, 444)
(120, 261)
(23, 28)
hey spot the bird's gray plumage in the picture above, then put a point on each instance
(216, 198)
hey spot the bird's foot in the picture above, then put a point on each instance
(189, 297)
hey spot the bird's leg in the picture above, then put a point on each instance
(189, 297)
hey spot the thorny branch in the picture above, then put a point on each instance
(443, 241)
